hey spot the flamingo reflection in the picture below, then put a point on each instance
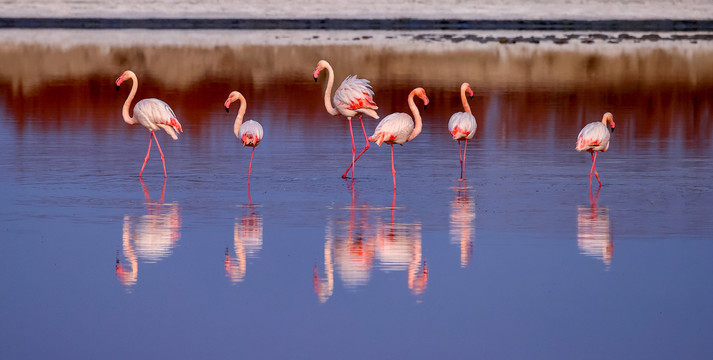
(462, 218)
(354, 247)
(247, 241)
(594, 236)
(149, 237)
(399, 248)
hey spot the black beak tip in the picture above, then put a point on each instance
(612, 129)
(425, 107)
(226, 109)
(472, 96)
(117, 87)
(315, 79)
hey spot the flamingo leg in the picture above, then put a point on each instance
(591, 171)
(250, 167)
(351, 132)
(366, 147)
(460, 157)
(462, 168)
(147, 154)
(161, 152)
(393, 170)
(594, 159)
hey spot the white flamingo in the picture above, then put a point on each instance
(153, 114)
(398, 128)
(353, 97)
(462, 125)
(595, 137)
(249, 132)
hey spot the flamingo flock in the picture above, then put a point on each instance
(354, 97)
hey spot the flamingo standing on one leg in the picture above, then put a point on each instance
(398, 128)
(153, 114)
(462, 125)
(595, 137)
(354, 96)
(249, 132)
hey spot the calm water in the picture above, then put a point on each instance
(518, 261)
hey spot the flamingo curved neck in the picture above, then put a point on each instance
(328, 92)
(241, 113)
(464, 99)
(416, 117)
(125, 110)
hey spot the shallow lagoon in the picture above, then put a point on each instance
(519, 260)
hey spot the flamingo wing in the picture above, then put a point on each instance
(356, 94)
(462, 125)
(250, 133)
(155, 114)
(393, 129)
(593, 137)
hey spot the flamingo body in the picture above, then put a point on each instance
(595, 137)
(393, 129)
(250, 133)
(155, 114)
(462, 126)
(355, 96)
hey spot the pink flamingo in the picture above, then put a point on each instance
(153, 114)
(595, 137)
(462, 125)
(354, 96)
(398, 128)
(249, 132)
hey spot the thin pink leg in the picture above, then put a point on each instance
(462, 170)
(161, 152)
(250, 167)
(595, 169)
(351, 132)
(147, 154)
(366, 147)
(146, 190)
(393, 170)
(460, 157)
(591, 171)
(163, 190)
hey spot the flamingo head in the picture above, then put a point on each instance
(608, 119)
(321, 65)
(420, 92)
(125, 76)
(234, 96)
(466, 87)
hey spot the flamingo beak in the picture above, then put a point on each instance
(425, 106)
(315, 79)
(227, 109)
(472, 96)
(117, 87)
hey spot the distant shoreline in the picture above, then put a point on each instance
(355, 24)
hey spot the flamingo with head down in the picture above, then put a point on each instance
(595, 137)
(353, 97)
(398, 128)
(153, 114)
(462, 125)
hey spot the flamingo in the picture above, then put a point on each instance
(595, 137)
(153, 114)
(398, 128)
(353, 97)
(462, 125)
(249, 132)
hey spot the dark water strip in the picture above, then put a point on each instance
(358, 24)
